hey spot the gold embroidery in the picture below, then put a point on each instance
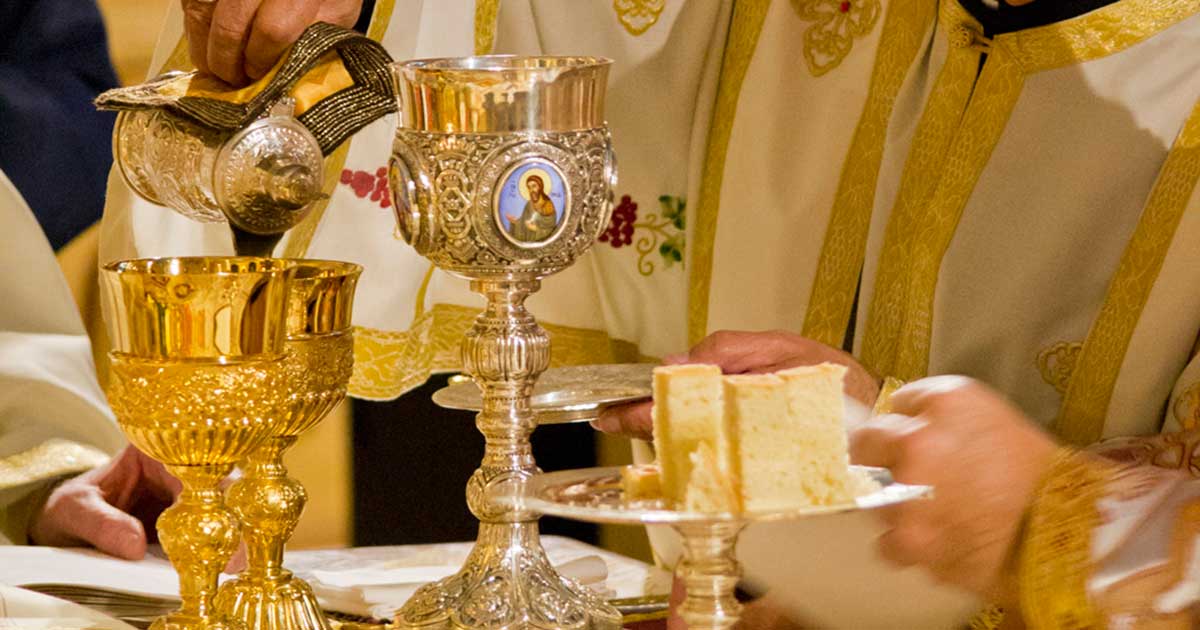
(845, 239)
(837, 23)
(1055, 557)
(989, 618)
(486, 12)
(1085, 406)
(50, 459)
(1187, 408)
(919, 182)
(389, 363)
(883, 402)
(1173, 451)
(1105, 31)
(300, 237)
(1057, 362)
(381, 18)
(637, 16)
(744, 28)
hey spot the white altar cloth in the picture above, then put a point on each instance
(153, 575)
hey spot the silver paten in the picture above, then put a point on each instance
(709, 568)
(576, 393)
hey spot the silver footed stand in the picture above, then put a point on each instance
(709, 567)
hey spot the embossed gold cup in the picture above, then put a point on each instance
(502, 173)
(266, 500)
(198, 378)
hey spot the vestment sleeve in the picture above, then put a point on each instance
(1113, 538)
(53, 417)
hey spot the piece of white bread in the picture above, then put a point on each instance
(751, 442)
(687, 411)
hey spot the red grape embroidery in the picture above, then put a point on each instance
(367, 185)
(663, 231)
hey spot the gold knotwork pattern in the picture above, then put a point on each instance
(919, 182)
(50, 459)
(1171, 451)
(835, 26)
(389, 363)
(637, 16)
(486, 12)
(1187, 407)
(1107, 30)
(990, 618)
(1085, 405)
(744, 28)
(1055, 557)
(842, 252)
(899, 327)
(1056, 363)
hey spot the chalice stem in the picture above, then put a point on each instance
(267, 525)
(199, 535)
(507, 581)
(710, 571)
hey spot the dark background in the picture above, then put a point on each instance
(412, 460)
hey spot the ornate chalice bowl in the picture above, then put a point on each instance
(267, 501)
(198, 379)
(502, 174)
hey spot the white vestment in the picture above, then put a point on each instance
(1019, 209)
(54, 420)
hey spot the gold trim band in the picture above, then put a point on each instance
(745, 26)
(842, 253)
(1089, 393)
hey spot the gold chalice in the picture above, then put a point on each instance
(266, 500)
(198, 378)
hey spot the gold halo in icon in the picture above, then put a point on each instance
(547, 183)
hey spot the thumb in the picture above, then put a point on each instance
(108, 529)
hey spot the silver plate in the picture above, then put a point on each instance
(594, 495)
(567, 394)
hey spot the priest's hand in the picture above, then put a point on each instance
(240, 40)
(984, 459)
(740, 352)
(110, 507)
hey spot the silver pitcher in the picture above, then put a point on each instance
(262, 179)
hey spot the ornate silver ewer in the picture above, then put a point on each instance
(262, 179)
(502, 173)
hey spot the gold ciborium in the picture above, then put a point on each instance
(502, 173)
(266, 500)
(198, 378)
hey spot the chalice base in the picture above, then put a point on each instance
(184, 621)
(507, 582)
(283, 603)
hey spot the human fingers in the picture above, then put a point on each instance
(341, 12)
(878, 441)
(197, 16)
(237, 562)
(678, 595)
(227, 36)
(632, 420)
(277, 24)
(81, 515)
(676, 358)
(920, 396)
(736, 351)
(908, 544)
(162, 483)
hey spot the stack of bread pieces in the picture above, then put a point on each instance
(746, 443)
